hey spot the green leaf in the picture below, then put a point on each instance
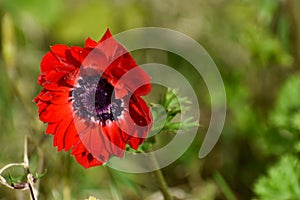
(295, 121)
(281, 182)
(38, 176)
(288, 104)
(283, 131)
(15, 179)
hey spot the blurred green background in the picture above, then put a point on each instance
(255, 45)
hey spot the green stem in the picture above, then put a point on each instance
(31, 192)
(113, 186)
(160, 179)
(67, 176)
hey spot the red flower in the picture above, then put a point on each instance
(91, 100)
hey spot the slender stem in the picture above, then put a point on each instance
(162, 184)
(67, 176)
(31, 188)
(113, 186)
(31, 192)
(25, 156)
(26, 167)
(160, 179)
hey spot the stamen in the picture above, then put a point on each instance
(93, 100)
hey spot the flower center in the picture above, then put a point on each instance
(93, 100)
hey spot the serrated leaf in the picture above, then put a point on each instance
(295, 120)
(281, 182)
(287, 104)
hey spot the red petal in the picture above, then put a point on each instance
(127, 126)
(83, 157)
(125, 71)
(61, 131)
(122, 64)
(53, 76)
(140, 112)
(113, 135)
(71, 137)
(59, 51)
(94, 60)
(132, 134)
(55, 97)
(51, 128)
(48, 62)
(134, 142)
(135, 137)
(56, 87)
(90, 43)
(54, 113)
(119, 87)
(109, 46)
(94, 142)
(42, 106)
(137, 124)
(73, 56)
(58, 58)
(37, 98)
(54, 79)
(136, 80)
(106, 35)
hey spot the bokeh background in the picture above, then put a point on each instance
(255, 45)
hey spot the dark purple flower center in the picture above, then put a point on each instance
(93, 100)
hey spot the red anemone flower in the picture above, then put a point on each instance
(91, 100)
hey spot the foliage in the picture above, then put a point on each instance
(287, 108)
(282, 180)
(283, 135)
